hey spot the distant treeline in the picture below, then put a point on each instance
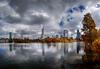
(45, 40)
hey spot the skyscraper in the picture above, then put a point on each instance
(65, 32)
(10, 37)
(42, 32)
(78, 35)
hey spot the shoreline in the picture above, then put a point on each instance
(45, 40)
(40, 42)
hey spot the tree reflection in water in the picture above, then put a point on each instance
(52, 56)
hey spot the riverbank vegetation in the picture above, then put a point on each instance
(45, 40)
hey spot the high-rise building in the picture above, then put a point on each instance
(42, 32)
(64, 33)
(10, 37)
(78, 35)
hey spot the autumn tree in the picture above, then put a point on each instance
(89, 30)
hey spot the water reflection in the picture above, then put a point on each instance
(10, 47)
(51, 53)
(43, 49)
(78, 47)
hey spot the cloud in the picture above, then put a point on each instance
(12, 19)
(28, 15)
(75, 13)
(32, 18)
(49, 6)
(96, 17)
(98, 6)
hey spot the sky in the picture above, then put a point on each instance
(27, 16)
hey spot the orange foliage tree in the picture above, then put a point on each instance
(89, 30)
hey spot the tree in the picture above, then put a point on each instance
(89, 27)
(89, 30)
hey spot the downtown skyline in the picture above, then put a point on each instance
(27, 16)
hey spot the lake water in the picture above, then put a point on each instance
(41, 56)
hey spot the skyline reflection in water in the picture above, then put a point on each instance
(52, 53)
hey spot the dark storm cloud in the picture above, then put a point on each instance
(37, 20)
(23, 31)
(52, 11)
(53, 7)
(11, 19)
(50, 6)
(3, 0)
(19, 5)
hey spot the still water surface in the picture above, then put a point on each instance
(38, 56)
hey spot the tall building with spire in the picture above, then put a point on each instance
(42, 32)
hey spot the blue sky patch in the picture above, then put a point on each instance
(70, 10)
(79, 8)
(75, 9)
(82, 8)
(98, 6)
(70, 19)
